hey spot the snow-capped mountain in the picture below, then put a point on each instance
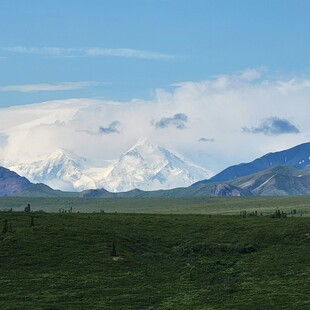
(144, 166)
(151, 167)
(61, 170)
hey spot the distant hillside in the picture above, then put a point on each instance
(11, 183)
(222, 190)
(42, 190)
(297, 157)
(277, 181)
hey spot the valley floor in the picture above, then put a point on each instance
(66, 261)
(194, 205)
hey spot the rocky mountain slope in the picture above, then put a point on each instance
(297, 157)
(11, 183)
(276, 181)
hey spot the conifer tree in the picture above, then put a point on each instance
(27, 209)
(113, 252)
(5, 226)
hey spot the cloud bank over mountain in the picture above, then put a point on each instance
(244, 115)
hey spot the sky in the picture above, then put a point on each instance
(221, 82)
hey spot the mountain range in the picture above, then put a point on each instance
(280, 178)
(297, 157)
(145, 166)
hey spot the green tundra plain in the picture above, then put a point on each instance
(114, 258)
(193, 205)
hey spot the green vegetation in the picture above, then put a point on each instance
(140, 261)
(194, 205)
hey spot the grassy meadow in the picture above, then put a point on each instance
(194, 205)
(66, 261)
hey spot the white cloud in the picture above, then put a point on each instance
(218, 108)
(126, 52)
(251, 74)
(90, 52)
(293, 85)
(46, 87)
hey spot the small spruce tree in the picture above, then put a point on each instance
(32, 221)
(113, 251)
(5, 226)
(27, 209)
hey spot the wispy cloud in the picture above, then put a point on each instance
(112, 128)
(177, 120)
(89, 52)
(251, 74)
(46, 87)
(273, 126)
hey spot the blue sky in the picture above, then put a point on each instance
(220, 82)
(125, 49)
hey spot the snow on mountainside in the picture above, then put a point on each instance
(61, 170)
(150, 167)
(144, 166)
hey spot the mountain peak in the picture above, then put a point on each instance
(64, 154)
(59, 153)
(143, 144)
(148, 166)
(143, 141)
